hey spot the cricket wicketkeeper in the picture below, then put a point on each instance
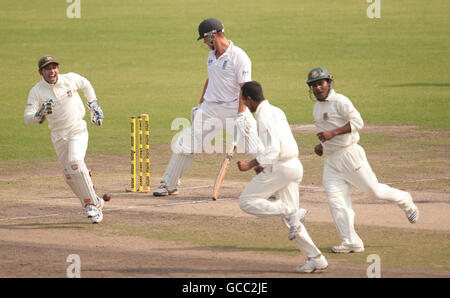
(56, 99)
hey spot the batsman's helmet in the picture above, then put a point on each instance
(210, 25)
(318, 73)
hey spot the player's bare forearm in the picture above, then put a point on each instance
(202, 99)
(328, 135)
(246, 166)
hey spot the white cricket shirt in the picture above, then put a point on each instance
(336, 111)
(275, 134)
(225, 74)
(68, 112)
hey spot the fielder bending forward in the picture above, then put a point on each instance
(228, 68)
(338, 122)
(56, 99)
(279, 172)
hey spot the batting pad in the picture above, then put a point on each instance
(178, 165)
(77, 177)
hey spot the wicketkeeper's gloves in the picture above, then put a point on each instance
(45, 109)
(96, 112)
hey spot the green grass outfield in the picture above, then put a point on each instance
(143, 57)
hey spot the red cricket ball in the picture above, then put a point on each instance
(106, 197)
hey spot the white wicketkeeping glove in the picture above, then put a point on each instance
(45, 109)
(96, 112)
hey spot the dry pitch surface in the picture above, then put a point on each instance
(41, 224)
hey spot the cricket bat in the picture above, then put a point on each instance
(223, 170)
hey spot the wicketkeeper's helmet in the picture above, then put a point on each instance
(318, 73)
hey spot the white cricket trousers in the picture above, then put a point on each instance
(350, 167)
(71, 153)
(283, 180)
(210, 119)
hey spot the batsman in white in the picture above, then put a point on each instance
(228, 68)
(56, 99)
(279, 172)
(337, 123)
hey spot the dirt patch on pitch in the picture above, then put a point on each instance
(38, 235)
(189, 235)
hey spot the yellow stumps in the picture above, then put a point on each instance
(133, 154)
(140, 150)
(147, 151)
(140, 154)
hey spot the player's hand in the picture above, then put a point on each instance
(48, 106)
(96, 112)
(243, 165)
(325, 135)
(45, 109)
(40, 115)
(258, 169)
(318, 150)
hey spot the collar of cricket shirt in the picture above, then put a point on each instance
(59, 82)
(330, 95)
(227, 51)
(261, 106)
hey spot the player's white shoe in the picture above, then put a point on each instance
(94, 213)
(293, 222)
(345, 249)
(412, 214)
(313, 264)
(101, 203)
(163, 190)
(98, 218)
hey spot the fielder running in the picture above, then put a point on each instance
(337, 123)
(279, 172)
(228, 68)
(56, 99)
